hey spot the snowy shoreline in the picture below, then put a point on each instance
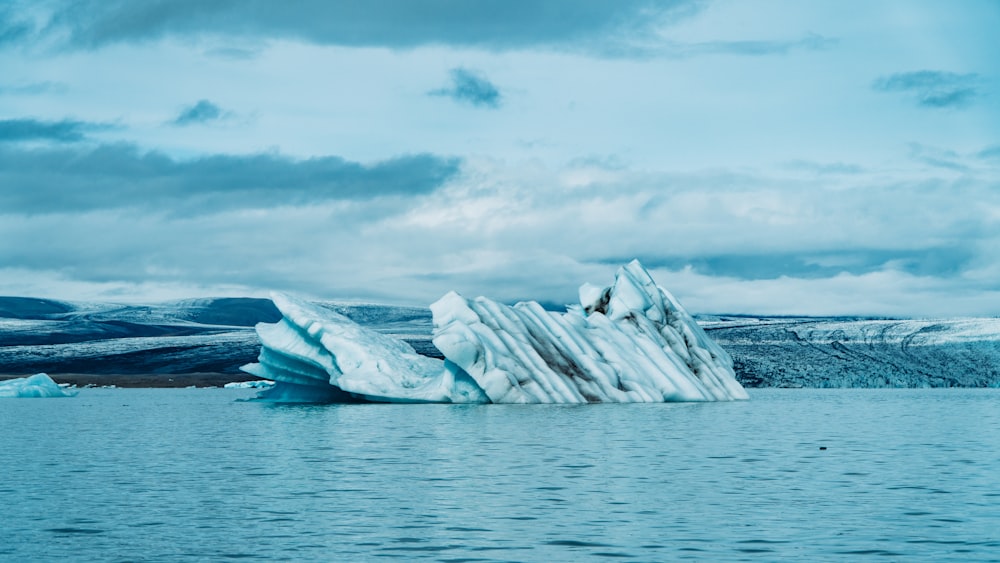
(148, 381)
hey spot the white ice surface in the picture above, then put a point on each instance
(317, 347)
(631, 342)
(259, 384)
(35, 386)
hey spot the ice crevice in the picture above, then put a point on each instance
(629, 342)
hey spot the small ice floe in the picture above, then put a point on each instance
(259, 384)
(38, 385)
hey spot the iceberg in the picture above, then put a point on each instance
(38, 385)
(629, 342)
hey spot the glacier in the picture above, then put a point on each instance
(628, 342)
(35, 386)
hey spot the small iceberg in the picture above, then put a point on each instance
(38, 385)
(258, 384)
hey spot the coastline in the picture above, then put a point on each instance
(143, 380)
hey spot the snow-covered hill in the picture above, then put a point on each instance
(216, 335)
(844, 352)
(192, 336)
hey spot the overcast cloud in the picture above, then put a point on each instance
(65, 131)
(491, 24)
(933, 89)
(761, 157)
(64, 180)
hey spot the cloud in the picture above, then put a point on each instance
(885, 293)
(738, 227)
(62, 180)
(933, 89)
(621, 29)
(470, 87)
(202, 112)
(234, 53)
(722, 241)
(990, 153)
(65, 131)
(33, 88)
(11, 30)
(937, 157)
(811, 264)
(824, 168)
(489, 24)
(811, 42)
(751, 48)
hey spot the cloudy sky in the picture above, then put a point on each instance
(773, 157)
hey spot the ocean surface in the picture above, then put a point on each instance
(795, 475)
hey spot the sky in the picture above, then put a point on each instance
(758, 157)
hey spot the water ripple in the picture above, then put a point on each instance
(907, 475)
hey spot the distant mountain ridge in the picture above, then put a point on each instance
(212, 335)
(216, 336)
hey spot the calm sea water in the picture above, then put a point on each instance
(165, 475)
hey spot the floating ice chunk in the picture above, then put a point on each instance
(38, 385)
(258, 384)
(631, 342)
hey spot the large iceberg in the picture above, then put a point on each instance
(38, 385)
(630, 342)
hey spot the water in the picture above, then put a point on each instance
(165, 475)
